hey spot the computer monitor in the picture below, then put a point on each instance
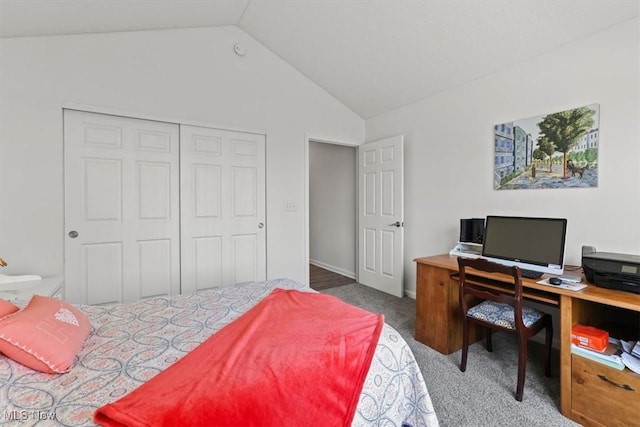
(536, 245)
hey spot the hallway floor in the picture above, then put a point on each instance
(320, 279)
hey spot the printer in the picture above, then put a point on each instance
(611, 270)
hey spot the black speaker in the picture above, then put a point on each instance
(472, 230)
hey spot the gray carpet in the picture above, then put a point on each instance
(484, 394)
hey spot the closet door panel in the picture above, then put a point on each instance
(222, 181)
(207, 261)
(155, 267)
(245, 261)
(101, 266)
(121, 208)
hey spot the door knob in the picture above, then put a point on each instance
(396, 224)
(260, 225)
(73, 234)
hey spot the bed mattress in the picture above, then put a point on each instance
(132, 342)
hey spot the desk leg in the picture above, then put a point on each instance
(566, 320)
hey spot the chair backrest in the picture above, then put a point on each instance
(513, 297)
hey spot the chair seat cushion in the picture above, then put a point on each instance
(502, 314)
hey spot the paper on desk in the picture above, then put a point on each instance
(570, 286)
(636, 349)
(5, 279)
(631, 362)
(627, 346)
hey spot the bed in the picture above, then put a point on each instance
(131, 343)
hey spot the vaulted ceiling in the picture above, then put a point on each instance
(374, 56)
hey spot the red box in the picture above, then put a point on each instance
(590, 337)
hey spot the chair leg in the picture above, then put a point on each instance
(522, 367)
(488, 335)
(465, 345)
(547, 346)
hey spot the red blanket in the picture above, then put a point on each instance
(294, 359)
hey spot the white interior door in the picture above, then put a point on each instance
(222, 181)
(381, 215)
(121, 208)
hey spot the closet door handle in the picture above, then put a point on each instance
(73, 234)
(260, 225)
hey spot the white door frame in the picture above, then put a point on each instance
(308, 139)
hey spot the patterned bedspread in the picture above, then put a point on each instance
(130, 343)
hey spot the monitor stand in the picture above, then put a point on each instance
(531, 274)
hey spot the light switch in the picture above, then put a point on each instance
(290, 207)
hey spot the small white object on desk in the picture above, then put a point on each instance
(23, 291)
(569, 286)
(571, 278)
(467, 250)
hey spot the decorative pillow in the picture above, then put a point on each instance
(7, 308)
(45, 335)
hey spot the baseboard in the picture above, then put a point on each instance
(334, 269)
(410, 294)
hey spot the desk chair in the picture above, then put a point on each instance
(502, 312)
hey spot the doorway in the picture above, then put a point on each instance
(379, 204)
(332, 202)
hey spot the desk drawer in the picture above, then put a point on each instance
(603, 396)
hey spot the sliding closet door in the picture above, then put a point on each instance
(222, 184)
(121, 208)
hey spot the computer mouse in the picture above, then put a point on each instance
(555, 281)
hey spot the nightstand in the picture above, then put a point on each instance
(23, 291)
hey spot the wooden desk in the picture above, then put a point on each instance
(590, 393)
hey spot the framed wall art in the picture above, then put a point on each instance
(556, 150)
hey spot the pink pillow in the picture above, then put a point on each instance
(45, 335)
(7, 308)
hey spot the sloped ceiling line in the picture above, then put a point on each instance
(373, 56)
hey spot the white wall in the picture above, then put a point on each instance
(183, 75)
(333, 207)
(449, 148)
